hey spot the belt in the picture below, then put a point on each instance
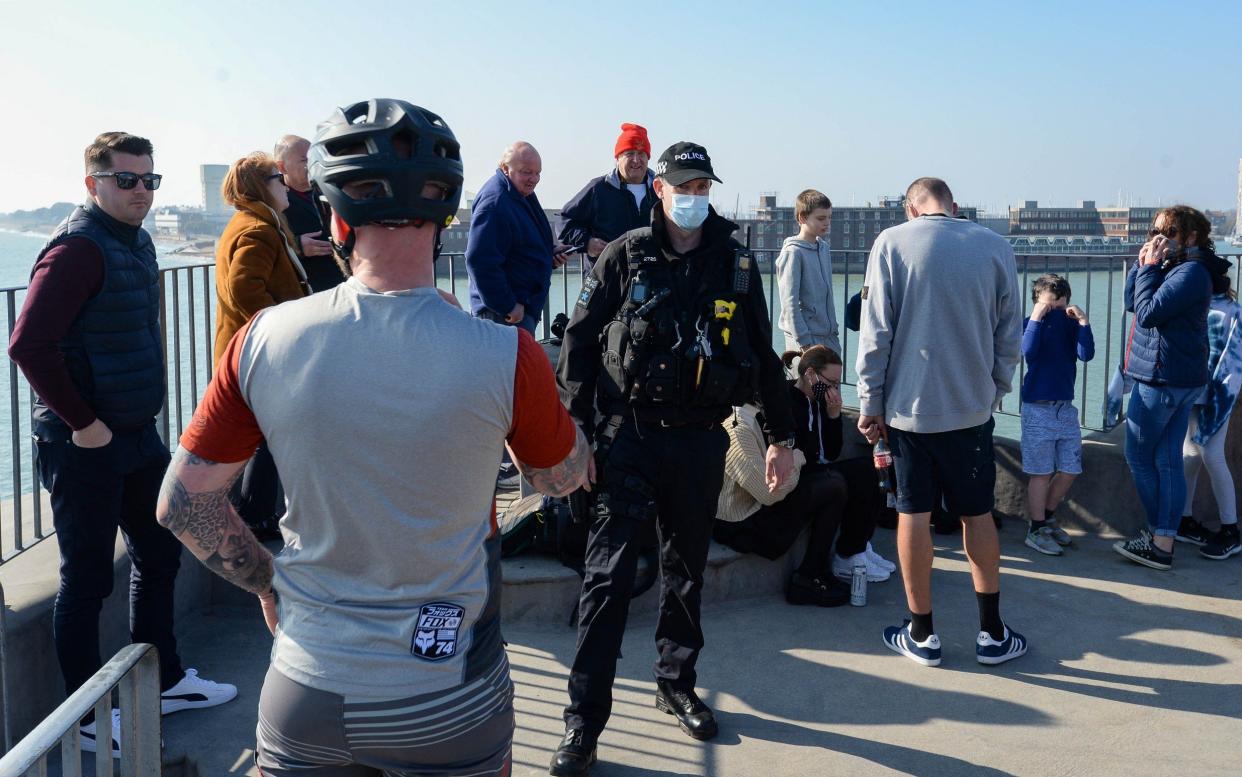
(674, 423)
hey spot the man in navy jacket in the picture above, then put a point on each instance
(510, 254)
(612, 204)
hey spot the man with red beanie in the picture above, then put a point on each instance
(612, 204)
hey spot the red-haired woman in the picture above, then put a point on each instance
(256, 268)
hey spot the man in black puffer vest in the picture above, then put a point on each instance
(88, 340)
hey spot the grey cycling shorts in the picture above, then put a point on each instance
(462, 732)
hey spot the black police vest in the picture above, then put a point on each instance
(113, 349)
(668, 350)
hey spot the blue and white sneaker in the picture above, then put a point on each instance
(989, 651)
(899, 640)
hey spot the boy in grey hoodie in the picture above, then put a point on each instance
(940, 337)
(804, 278)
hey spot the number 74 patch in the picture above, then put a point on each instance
(435, 634)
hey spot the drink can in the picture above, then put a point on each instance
(858, 586)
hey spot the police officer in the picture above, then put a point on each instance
(669, 332)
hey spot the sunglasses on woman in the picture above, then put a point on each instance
(151, 181)
(1169, 232)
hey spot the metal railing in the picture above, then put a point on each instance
(135, 673)
(188, 300)
(4, 678)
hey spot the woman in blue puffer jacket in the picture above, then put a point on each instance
(1168, 290)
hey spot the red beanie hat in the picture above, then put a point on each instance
(632, 138)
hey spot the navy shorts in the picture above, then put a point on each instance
(960, 465)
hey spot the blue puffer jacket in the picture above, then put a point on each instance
(1168, 340)
(509, 251)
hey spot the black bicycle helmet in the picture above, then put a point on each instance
(397, 147)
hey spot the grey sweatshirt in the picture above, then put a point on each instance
(941, 325)
(804, 285)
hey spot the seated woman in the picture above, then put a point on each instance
(825, 494)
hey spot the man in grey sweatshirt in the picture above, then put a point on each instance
(940, 337)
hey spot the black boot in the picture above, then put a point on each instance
(694, 717)
(575, 755)
(826, 591)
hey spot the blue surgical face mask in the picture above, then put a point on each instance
(689, 211)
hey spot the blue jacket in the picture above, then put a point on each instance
(509, 251)
(604, 209)
(1168, 339)
(1051, 348)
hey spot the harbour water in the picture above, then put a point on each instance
(1098, 291)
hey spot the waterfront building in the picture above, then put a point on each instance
(854, 228)
(212, 177)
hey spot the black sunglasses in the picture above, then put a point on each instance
(277, 177)
(1169, 232)
(129, 180)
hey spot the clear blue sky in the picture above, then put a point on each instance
(1055, 101)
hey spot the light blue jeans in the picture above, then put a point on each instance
(1156, 422)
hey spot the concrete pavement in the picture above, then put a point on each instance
(1131, 672)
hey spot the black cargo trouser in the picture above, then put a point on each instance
(670, 475)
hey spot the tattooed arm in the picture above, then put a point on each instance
(194, 506)
(574, 471)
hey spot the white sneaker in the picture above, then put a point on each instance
(843, 568)
(89, 739)
(878, 560)
(194, 693)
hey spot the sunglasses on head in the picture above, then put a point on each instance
(129, 180)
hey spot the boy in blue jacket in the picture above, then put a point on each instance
(1055, 336)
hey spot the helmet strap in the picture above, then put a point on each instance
(344, 249)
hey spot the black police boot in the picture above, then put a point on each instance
(694, 717)
(575, 755)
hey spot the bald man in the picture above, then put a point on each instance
(511, 253)
(303, 215)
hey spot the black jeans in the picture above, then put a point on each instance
(862, 506)
(843, 494)
(653, 473)
(93, 492)
(258, 496)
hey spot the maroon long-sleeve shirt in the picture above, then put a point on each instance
(64, 280)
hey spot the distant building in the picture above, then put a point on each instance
(998, 223)
(1030, 219)
(854, 228)
(1132, 224)
(1237, 214)
(212, 177)
(1085, 229)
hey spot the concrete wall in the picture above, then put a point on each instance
(1102, 501)
(30, 581)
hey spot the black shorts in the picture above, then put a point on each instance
(959, 464)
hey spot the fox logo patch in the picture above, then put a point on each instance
(435, 634)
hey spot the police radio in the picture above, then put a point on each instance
(638, 289)
(743, 264)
